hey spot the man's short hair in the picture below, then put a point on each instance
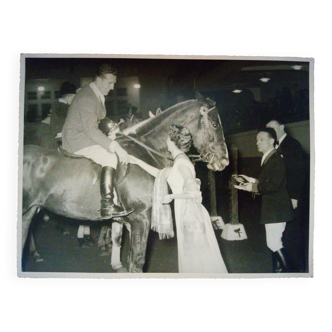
(271, 132)
(277, 120)
(104, 69)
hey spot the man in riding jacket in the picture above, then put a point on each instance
(81, 135)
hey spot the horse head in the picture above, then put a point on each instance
(208, 135)
(201, 118)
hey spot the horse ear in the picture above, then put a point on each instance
(199, 97)
(159, 111)
(151, 115)
(211, 102)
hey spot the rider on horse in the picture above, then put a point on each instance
(81, 136)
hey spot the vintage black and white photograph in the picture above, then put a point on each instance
(170, 166)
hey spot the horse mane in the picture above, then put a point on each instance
(144, 127)
(148, 133)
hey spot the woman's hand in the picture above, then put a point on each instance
(167, 199)
(133, 160)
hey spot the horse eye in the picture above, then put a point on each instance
(215, 125)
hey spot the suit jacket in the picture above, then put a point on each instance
(81, 126)
(276, 203)
(291, 152)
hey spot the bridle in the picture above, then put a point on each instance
(207, 157)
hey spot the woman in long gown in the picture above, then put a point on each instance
(198, 249)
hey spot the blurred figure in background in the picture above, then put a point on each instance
(59, 112)
(44, 133)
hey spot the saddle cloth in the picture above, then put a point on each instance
(96, 169)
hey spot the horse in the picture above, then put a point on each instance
(39, 133)
(67, 186)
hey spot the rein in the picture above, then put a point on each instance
(145, 146)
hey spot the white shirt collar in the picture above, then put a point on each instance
(97, 92)
(281, 139)
(265, 155)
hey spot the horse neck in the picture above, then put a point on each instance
(154, 132)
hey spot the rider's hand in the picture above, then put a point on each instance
(112, 135)
(122, 154)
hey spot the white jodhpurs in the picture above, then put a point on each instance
(274, 235)
(99, 155)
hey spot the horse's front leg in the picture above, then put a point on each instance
(138, 242)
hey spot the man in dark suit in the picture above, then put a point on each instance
(276, 209)
(291, 152)
(81, 135)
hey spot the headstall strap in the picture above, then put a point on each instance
(209, 156)
(204, 113)
(205, 117)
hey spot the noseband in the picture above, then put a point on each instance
(208, 157)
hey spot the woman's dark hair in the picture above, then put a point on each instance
(272, 134)
(181, 137)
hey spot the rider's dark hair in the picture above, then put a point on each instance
(104, 69)
(181, 137)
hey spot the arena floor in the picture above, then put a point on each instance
(61, 253)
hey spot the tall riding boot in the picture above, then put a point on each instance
(284, 260)
(108, 208)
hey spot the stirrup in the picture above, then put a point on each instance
(113, 214)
